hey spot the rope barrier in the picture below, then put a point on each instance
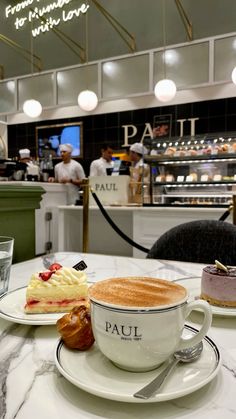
(114, 226)
(226, 213)
(123, 235)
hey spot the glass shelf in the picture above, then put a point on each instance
(187, 184)
(189, 173)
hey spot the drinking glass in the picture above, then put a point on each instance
(6, 252)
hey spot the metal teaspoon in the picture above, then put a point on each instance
(185, 355)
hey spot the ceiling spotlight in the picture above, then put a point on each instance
(233, 75)
(165, 90)
(32, 108)
(87, 100)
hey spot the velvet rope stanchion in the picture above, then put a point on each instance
(114, 226)
(226, 213)
(85, 186)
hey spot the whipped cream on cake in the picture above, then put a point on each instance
(218, 287)
(58, 289)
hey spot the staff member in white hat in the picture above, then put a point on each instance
(24, 155)
(68, 171)
(136, 151)
(139, 171)
(26, 168)
(23, 163)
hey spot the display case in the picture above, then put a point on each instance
(191, 171)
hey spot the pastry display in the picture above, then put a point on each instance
(170, 151)
(234, 147)
(204, 177)
(192, 177)
(225, 148)
(170, 178)
(218, 285)
(75, 328)
(217, 177)
(161, 178)
(193, 152)
(206, 150)
(56, 290)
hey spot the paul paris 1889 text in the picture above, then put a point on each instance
(125, 332)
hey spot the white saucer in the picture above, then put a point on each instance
(193, 285)
(12, 309)
(93, 372)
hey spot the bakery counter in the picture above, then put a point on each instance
(102, 238)
(33, 387)
(142, 224)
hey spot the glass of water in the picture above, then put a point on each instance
(6, 252)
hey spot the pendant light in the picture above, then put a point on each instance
(233, 75)
(87, 99)
(165, 89)
(32, 107)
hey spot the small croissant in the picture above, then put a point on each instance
(75, 328)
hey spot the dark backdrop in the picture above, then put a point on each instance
(215, 116)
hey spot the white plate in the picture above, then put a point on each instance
(193, 285)
(93, 372)
(12, 309)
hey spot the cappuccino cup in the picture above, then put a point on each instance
(138, 321)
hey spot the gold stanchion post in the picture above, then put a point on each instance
(85, 186)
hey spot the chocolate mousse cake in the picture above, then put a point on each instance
(58, 289)
(218, 287)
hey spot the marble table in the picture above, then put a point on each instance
(32, 387)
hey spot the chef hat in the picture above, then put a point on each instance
(138, 148)
(66, 147)
(24, 153)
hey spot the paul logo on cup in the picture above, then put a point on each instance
(138, 321)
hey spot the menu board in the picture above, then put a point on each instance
(50, 137)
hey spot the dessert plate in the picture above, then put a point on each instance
(91, 371)
(193, 285)
(12, 309)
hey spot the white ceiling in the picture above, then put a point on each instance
(142, 18)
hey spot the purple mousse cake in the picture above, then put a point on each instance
(219, 287)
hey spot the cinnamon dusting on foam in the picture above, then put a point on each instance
(137, 292)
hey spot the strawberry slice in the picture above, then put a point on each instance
(55, 267)
(45, 276)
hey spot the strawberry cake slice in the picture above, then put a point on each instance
(56, 290)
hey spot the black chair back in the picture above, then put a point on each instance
(201, 241)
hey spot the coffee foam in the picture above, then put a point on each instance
(137, 292)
